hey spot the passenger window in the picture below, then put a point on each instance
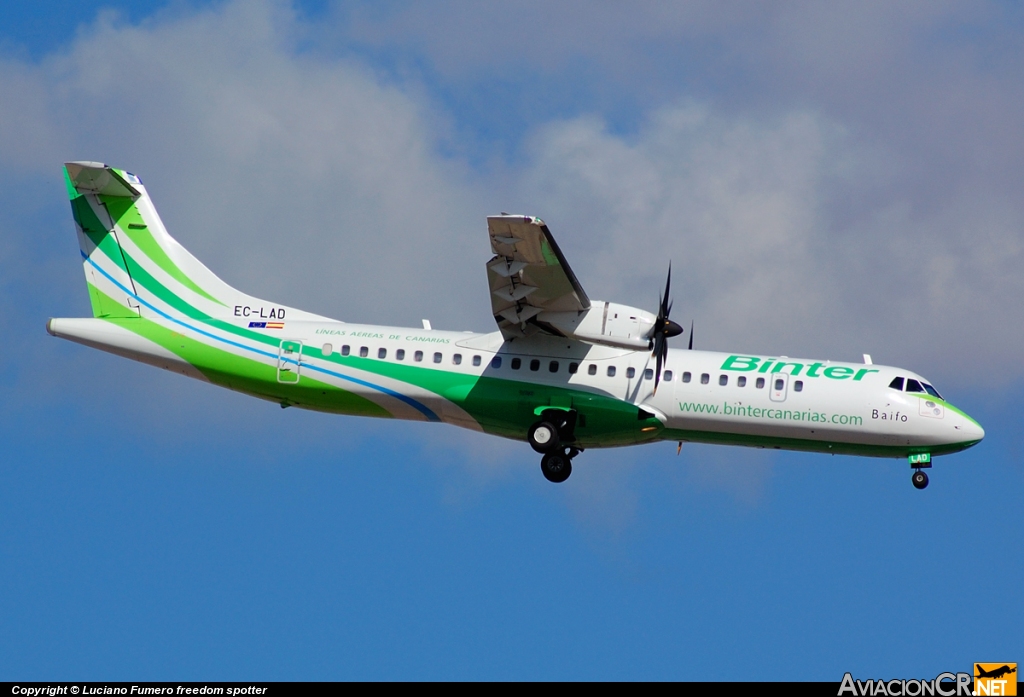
(400, 354)
(327, 350)
(705, 378)
(382, 353)
(516, 362)
(496, 362)
(649, 374)
(553, 367)
(779, 384)
(798, 386)
(363, 352)
(759, 384)
(573, 367)
(476, 360)
(914, 386)
(741, 381)
(437, 358)
(418, 356)
(897, 384)
(686, 376)
(667, 376)
(630, 372)
(345, 350)
(592, 369)
(611, 371)
(534, 365)
(457, 359)
(723, 380)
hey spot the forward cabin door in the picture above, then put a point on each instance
(779, 384)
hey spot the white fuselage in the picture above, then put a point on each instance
(703, 395)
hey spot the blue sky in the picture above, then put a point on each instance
(828, 179)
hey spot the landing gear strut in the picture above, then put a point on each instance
(920, 479)
(550, 436)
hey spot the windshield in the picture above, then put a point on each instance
(931, 390)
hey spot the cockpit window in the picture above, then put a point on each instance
(897, 384)
(931, 390)
(914, 386)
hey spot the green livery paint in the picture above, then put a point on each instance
(744, 364)
(561, 362)
(130, 223)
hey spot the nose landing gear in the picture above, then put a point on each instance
(919, 461)
(920, 479)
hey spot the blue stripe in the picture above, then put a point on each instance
(423, 409)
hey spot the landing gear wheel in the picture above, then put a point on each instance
(920, 479)
(543, 436)
(556, 467)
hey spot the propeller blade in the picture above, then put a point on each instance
(665, 305)
(663, 329)
(657, 372)
(691, 334)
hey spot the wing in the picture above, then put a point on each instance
(528, 275)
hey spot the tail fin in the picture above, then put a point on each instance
(133, 267)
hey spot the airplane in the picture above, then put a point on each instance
(562, 372)
(996, 673)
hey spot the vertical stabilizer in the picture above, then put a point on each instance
(133, 267)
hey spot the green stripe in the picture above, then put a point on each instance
(818, 446)
(125, 213)
(96, 231)
(104, 306)
(251, 376)
(928, 397)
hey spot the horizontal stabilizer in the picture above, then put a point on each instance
(98, 178)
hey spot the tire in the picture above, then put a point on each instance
(556, 467)
(920, 479)
(543, 436)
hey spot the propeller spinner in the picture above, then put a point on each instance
(664, 328)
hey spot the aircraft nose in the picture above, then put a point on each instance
(971, 429)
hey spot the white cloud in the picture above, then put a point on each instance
(768, 254)
(306, 180)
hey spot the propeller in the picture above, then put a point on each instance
(664, 328)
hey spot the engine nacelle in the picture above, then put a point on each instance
(606, 323)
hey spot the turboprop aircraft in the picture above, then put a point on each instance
(562, 372)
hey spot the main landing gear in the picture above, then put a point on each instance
(557, 466)
(550, 436)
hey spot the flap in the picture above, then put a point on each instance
(528, 275)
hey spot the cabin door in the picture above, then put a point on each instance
(779, 383)
(289, 361)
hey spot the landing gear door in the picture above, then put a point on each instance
(779, 383)
(289, 361)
